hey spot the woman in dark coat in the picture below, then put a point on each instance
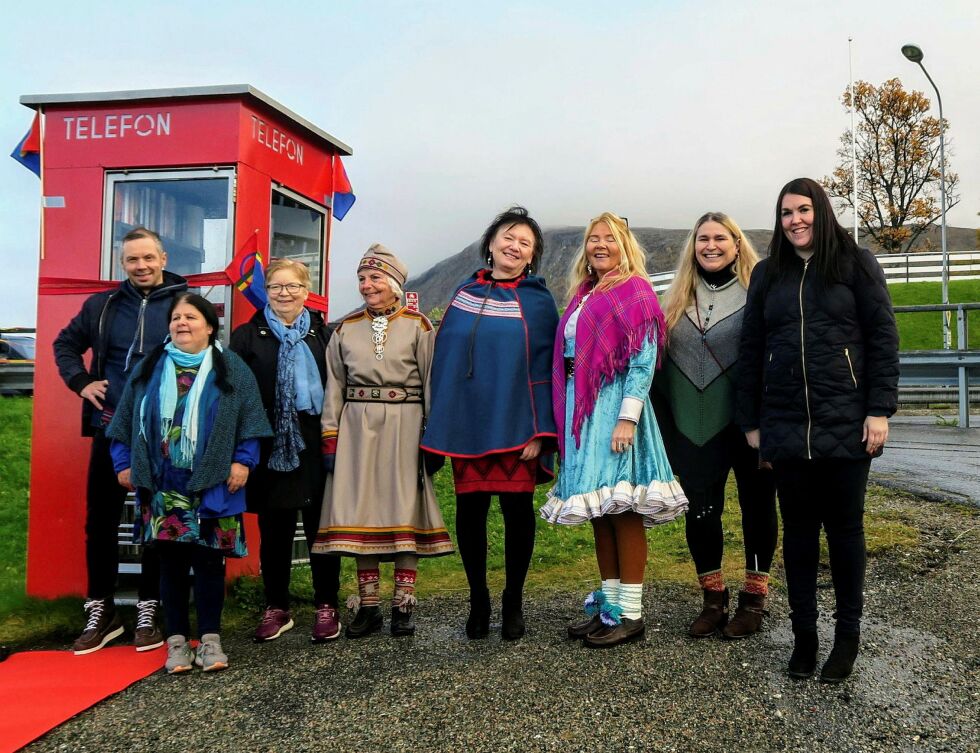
(284, 346)
(818, 379)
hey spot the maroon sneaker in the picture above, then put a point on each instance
(326, 624)
(274, 623)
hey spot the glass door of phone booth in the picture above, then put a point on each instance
(191, 210)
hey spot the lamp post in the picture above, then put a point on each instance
(914, 53)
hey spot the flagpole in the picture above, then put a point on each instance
(854, 167)
(40, 127)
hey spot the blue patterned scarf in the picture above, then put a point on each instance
(298, 388)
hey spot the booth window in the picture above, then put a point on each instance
(298, 232)
(191, 211)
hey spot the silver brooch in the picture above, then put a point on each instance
(379, 325)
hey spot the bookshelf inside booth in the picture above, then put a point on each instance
(299, 232)
(191, 211)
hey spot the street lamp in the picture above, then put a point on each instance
(914, 53)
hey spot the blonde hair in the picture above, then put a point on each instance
(299, 269)
(680, 294)
(632, 258)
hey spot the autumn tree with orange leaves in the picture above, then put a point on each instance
(897, 164)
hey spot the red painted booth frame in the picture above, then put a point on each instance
(148, 141)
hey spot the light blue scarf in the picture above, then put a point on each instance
(298, 388)
(182, 455)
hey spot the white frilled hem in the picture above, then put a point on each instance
(660, 502)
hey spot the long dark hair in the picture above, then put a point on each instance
(830, 243)
(514, 216)
(210, 314)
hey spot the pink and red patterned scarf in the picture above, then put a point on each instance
(614, 325)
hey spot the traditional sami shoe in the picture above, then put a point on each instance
(402, 623)
(627, 630)
(579, 630)
(367, 620)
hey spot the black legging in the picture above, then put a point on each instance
(105, 499)
(828, 492)
(176, 561)
(703, 472)
(277, 529)
(471, 537)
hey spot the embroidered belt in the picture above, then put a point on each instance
(569, 367)
(375, 393)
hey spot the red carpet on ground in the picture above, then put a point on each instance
(41, 689)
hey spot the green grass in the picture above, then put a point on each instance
(923, 331)
(563, 556)
(15, 436)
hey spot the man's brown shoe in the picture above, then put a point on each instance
(148, 634)
(103, 625)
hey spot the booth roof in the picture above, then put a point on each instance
(35, 101)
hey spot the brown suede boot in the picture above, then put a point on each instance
(748, 616)
(714, 614)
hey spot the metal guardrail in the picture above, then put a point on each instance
(959, 361)
(916, 267)
(16, 376)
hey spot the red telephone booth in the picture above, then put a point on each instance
(215, 171)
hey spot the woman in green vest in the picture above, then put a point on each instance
(695, 407)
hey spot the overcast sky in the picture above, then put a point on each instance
(657, 110)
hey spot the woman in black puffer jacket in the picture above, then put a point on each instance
(818, 379)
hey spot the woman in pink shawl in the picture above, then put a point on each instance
(614, 470)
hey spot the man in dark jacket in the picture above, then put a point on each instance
(119, 327)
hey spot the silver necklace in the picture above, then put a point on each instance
(379, 326)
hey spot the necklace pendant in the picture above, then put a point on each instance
(379, 326)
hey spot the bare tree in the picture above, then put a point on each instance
(898, 168)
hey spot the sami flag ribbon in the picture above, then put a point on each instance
(28, 151)
(247, 273)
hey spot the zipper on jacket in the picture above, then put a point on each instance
(142, 319)
(806, 387)
(850, 366)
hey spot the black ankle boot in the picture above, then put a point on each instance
(478, 621)
(803, 662)
(512, 617)
(840, 663)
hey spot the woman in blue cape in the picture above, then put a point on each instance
(491, 408)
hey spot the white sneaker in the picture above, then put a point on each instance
(210, 657)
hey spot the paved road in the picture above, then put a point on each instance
(937, 462)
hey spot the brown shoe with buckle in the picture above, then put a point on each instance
(627, 630)
(748, 616)
(103, 625)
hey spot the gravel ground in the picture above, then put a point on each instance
(916, 686)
